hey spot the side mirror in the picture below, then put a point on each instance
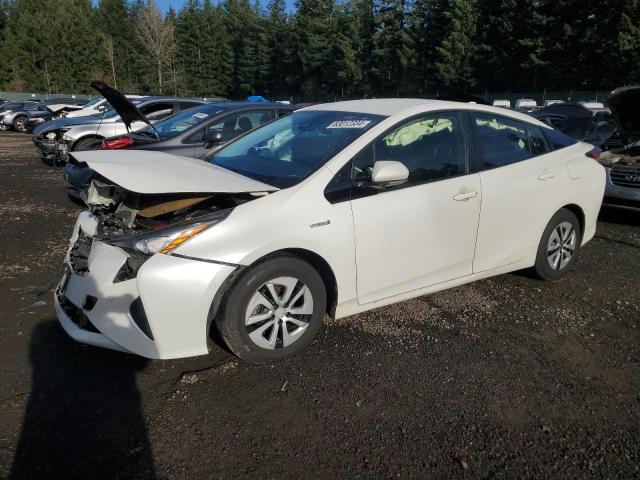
(389, 172)
(101, 108)
(212, 138)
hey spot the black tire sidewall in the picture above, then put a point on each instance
(542, 267)
(81, 144)
(230, 320)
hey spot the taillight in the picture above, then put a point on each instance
(594, 153)
(116, 143)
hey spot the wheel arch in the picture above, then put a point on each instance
(86, 137)
(579, 213)
(314, 259)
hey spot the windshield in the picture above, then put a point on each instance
(36, 106)
(179, 123)
(285, 152)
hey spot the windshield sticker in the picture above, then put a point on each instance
(349, 124)
(200, 115)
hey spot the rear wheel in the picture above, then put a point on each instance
(559, 246)
(20, 124)
(274, 310)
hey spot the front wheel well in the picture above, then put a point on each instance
(86, 137)
(315, 260)
(579, 213)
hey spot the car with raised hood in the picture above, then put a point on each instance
(55, 139)
(16, 119)
(335, 209)
(191, 133)
(621, 155)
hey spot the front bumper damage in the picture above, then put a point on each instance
(160, 312)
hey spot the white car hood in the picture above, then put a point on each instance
(148, 172)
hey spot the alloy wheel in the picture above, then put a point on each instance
(561, 246)
(278, 313)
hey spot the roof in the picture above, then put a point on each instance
(377, 106)
(392, 106)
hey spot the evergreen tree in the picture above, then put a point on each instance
(458, 53)
(394, 54)
(430, 25)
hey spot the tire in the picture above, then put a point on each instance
(19, 124)
(559, 246)
(246, 323)
(85, 144)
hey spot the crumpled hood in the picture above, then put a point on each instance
(624, 104)
(146, 172)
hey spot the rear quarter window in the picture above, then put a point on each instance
(557, 140)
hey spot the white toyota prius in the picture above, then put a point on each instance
(336, 209)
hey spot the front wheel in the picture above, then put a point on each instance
(274, 310)
(559, 246)
(20, 124)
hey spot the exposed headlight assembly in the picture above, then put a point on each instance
(167, 239)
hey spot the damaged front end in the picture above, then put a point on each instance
(145, 224)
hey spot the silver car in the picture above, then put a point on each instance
(622, 158)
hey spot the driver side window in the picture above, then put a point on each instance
(432, 147)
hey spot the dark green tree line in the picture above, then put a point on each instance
(320, 49)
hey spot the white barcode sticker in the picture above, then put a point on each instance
(349, 124)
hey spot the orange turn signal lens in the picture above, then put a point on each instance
(183, 237)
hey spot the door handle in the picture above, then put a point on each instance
(462, 196)
(546, 175)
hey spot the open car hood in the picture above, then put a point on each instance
(128, 112)
(146, 172)
(63, 106)
(624, 104)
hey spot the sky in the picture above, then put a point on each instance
(176, 4)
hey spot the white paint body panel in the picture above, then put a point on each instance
(149, 172)
(382, 249)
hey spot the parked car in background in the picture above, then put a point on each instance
(58, 137)
(335, 209)
(191, 133)
(622, 150)
(12, 105)
(577, 121)
(97, 106)
(525, 105)
(16, 119)
(502, 103)
(552, 102)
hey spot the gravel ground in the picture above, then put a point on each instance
(505, 378)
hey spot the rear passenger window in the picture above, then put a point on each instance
(432, 147)
(557, 140)
(502, 141)
(537, 142)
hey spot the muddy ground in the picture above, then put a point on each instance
(506, 378)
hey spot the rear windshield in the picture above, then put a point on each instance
(556, 139)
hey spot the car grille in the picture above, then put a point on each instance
(625, 176)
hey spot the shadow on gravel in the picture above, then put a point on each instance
(84, 417)
(619, 216)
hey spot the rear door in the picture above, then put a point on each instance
(520, 182)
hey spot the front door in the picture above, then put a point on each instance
(422, 232)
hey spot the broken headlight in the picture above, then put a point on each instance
(167, 239)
